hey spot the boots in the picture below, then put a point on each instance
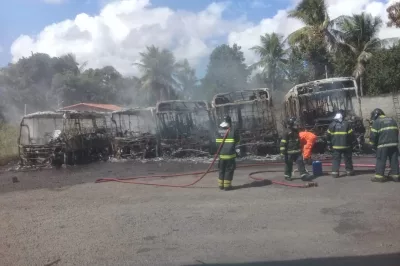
(306, 177)
(379, 179)
(350, 173)
(288, 178)
(335, 174)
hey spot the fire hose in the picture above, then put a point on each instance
(132, 180)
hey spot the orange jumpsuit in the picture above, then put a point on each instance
(307, 141)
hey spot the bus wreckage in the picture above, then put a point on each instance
(183, 128)
(56, 138)
(252, 114)
(315, 104)
(134, 133)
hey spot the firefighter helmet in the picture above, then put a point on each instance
(227, 122)
(291, 122)
(376, 113)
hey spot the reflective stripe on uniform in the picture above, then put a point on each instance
(335, 173)
(387, 128)
(350, 131)
(282, 148)
(293, 151)
(283, 141)
(226, 140)
(339, 133)
(387, 145)
(227, 157)
(374, 130)
(220, 182)
(379, 176)
(394, 176)
(340, 147)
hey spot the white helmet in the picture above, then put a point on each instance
(338, 117)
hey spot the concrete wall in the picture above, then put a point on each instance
(368, 104)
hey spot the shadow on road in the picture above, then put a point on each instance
(370, 260)
(262, 183)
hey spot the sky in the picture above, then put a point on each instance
(114, 32)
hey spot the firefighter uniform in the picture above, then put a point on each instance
(227, 155)
(384, 137)
(291, 150)
(340, 138)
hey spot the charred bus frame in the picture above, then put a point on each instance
(252, 113)
(63, 137)
(315, 104)
(134, 133)
(184, 128)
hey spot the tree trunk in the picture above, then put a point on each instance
(361, 87)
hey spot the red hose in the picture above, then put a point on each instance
(203, 174)
(130, 180)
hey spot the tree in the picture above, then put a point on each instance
(226, 71)
(272, 58)
(394, 15)
(359, 34)
(187, 79)
(382, 72)
(158, 69)
(317, 37)
(298, 70)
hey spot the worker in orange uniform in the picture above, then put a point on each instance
(307, 141)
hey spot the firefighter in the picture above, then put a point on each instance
(291, 150)
(340, 138)
(384, 138)
(227, 155)
(307, 141)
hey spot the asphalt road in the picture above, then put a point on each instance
(61, 217)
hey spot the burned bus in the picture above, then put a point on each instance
(134, 133)
(252, 113)
(315, 104)
(39, 138)
(63, 137)
(183, 128)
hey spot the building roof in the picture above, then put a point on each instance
(110, 107)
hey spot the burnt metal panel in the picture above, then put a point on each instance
(134, 133)
(315, 104)
(253, 115)
(64, 137)
(183, 128)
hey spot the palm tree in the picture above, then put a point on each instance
(359, 34)
(318, 36)
(394, 15)
(186, 76)
(158, 68)
(273, 57)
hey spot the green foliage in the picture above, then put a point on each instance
(394, 15)
(359, 35)
(226, 71)
(186, 77)
(316, 38)
(158, 68)
(8, 143)
(273, 59)
(382, 72)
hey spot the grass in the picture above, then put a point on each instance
(8, 143)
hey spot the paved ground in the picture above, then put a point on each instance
(55, 217)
